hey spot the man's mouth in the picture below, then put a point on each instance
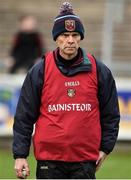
(70, 47)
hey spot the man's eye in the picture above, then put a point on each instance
(65, 35)
(75, 35)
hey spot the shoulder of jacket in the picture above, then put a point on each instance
(102, 68)
(38, 68)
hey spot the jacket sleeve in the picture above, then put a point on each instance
(109, 108)
(27, 110)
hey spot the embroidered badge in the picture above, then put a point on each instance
(70, 25)
(71, 92)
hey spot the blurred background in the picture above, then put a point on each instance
(26, 27)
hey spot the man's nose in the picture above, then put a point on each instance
(70, 39)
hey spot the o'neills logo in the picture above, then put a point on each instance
(71, 92)
(69, 107)
(70, 25)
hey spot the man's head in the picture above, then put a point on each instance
(67, 21)
(28, 23)
(67, 31)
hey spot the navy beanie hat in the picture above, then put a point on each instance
(67, 21)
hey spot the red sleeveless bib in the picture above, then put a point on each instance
(68, 128)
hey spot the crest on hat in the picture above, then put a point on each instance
(70, 25)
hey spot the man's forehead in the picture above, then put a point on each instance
(70, 33)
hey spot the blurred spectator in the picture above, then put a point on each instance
(27, 46)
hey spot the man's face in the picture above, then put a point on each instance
(68, 43)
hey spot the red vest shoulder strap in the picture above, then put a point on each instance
(91, 57)
(48, 54)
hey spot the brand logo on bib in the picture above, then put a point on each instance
(70, 107)
(71, 92)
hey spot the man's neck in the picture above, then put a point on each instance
(66, 62)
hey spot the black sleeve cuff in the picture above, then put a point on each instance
(105, 151)
(19, 156)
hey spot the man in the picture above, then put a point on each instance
(28, 45)
(72, 100)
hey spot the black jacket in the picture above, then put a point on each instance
(27, 47)
(30, 98)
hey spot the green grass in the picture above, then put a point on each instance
(116, 166)
(7, 165)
